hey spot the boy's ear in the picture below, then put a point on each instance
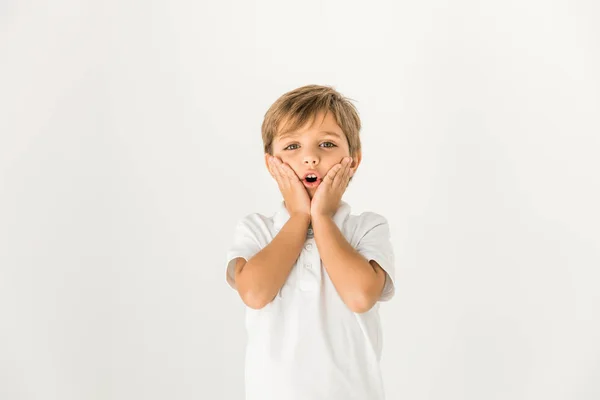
(267, 155)
(356, 161)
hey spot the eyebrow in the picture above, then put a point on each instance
(293, 134)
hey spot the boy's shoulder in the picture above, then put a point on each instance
(255, 220)
(367, 218)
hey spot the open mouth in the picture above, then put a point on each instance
(311, 180)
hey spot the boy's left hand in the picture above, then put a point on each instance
(328, 195)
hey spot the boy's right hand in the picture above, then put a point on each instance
(294, 193)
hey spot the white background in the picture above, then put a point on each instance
(130, 146)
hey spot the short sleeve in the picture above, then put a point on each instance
(246, 243)
(375, 244)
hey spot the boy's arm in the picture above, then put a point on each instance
(358, 281)
(258, 281)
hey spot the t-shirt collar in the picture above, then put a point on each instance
(282, 215)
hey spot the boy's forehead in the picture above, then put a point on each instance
(325, 125)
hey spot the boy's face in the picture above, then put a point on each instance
(314, 149)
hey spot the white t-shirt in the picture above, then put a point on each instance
(307, 344)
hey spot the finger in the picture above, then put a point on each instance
(289, 172)
(271, 167)
(341, 176)
(348, 173)
(283, 172)
(277, 172)
(330, 177)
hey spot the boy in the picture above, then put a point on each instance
(311, 276)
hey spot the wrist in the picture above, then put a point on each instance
(316, 218)
(301, 217)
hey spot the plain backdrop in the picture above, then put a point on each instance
(130, 146)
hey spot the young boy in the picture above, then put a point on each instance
(311, 275)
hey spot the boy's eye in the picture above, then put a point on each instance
(288, 147)
(330, 144)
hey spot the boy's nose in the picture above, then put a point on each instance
(311, 160)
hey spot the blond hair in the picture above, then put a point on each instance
(299, 106)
